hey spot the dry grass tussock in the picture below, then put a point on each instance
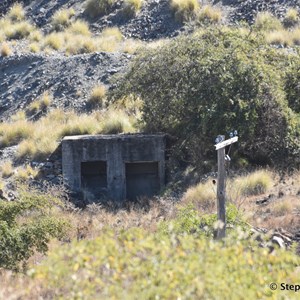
(202, 196)
(38, 139)
(97, 8)
(6, 168)
(267, 22)
(62, 18)
(285, 37)
(77, 39)
(185, 10)
(209, 14)
(14, 26)
(5, 50)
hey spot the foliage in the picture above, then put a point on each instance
(225, 79)
(292, 86)
(190, 221)
(19, 240)
(140, 265)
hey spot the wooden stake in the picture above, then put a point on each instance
(221, 197)
(221, 189)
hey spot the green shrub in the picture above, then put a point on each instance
(96, 8)
(141, 265)
(292, 86)
(19, 240)
(225, 80)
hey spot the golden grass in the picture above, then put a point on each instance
(34, 48)
(79, 27)
(14, 132)
(267, 22)
(202, 195)
(5, 50)
(6, 168)
(96, 8)
(16, 12)
(61, 18)
(185, 10)
(209, 14)
(116, 122)
(291, 18)
(256, 183)
(98, 96)
(131, 7)
(40, 104)
(279, 37)
(49, 130)
(25, 173)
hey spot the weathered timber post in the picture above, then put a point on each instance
(221, 190)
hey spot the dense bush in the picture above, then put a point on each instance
(19, 240)
(196, 87)
(141, 265)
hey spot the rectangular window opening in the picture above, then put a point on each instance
(142, 179)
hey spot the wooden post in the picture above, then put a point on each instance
(221, 194)
(221, 190)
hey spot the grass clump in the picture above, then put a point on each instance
(131, 7)
(265, 21)
(97, 8)
(25, 173)
(202, 195)
(13, 132)
(208, 14)
(79, 27)
(256, 183)
(185, 10)
(291, 18)
(16, 12)
(6, 169)
(115, 122)
(61, 18)
(5, 50)
(40, 105)
(98, 96)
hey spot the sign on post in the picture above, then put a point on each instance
(221, 191)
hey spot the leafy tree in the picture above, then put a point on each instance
(198, 86)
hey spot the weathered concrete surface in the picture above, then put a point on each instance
(141, 156)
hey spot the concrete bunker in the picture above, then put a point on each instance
(115, 167)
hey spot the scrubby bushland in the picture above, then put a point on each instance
(136, 264)
(196, 87)
(21, 237)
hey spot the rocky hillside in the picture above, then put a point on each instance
(24, 76)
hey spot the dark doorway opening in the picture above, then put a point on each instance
(142, 179)
(94, 179)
